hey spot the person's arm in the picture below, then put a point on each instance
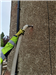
(9, 46)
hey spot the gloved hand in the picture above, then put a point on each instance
(21, 31)
(1, 60)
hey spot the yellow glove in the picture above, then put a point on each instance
(21, 31)
(1, 60)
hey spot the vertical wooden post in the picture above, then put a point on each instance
(1, 69)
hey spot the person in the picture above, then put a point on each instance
(10, 45)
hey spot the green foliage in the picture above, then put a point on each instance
(1, 39)
(2, 43)
(1, 35)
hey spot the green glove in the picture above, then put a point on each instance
(21, 31)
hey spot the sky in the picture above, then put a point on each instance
(5, 7)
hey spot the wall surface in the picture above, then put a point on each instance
(13, 27)
(52, 25)
(34, 51)
(37, 54)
